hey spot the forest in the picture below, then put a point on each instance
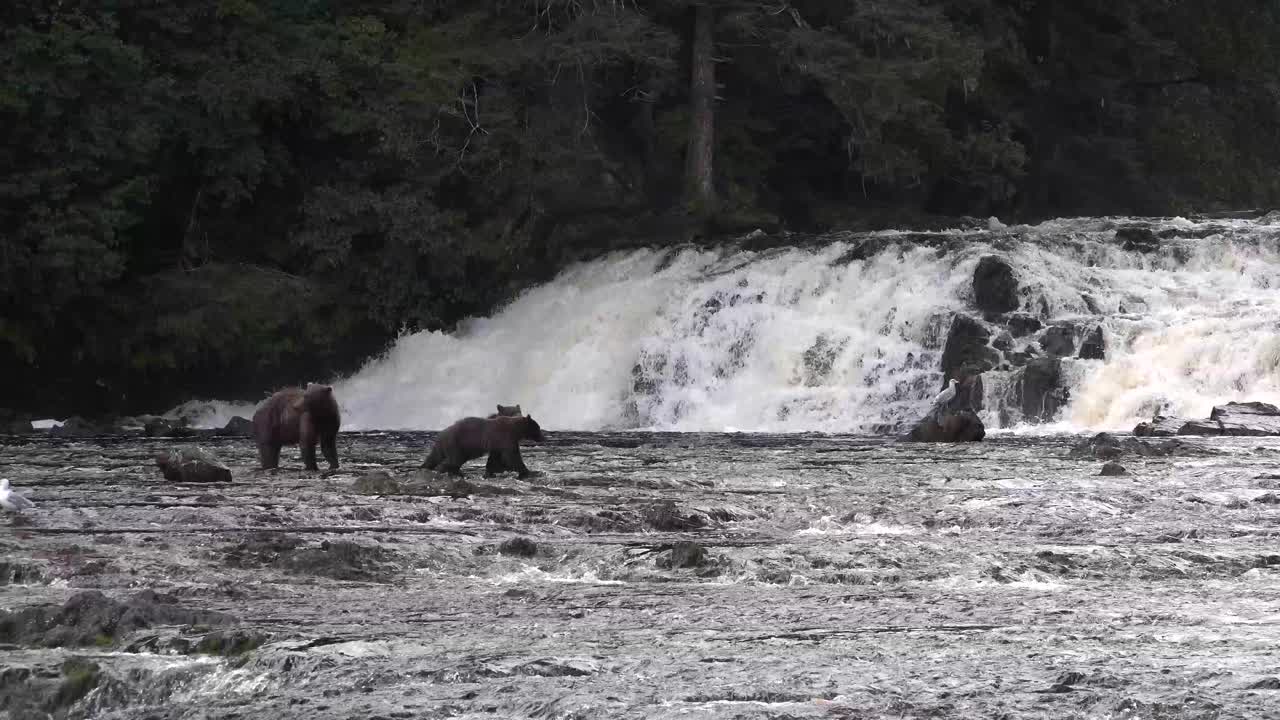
(217, 197)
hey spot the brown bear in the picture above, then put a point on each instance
(471, 437)
(296, 417)
(507, 411)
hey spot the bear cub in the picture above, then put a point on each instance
(294, 416)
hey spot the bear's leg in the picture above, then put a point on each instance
(269, 455)
(515, 462)
(329, 446)
(433, 458)
(307, 442)
(494, 464)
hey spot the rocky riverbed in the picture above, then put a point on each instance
(648, 576)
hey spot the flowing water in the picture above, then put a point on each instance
(846, 333)
(833, 576)
(696, 396)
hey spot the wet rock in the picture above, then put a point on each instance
(1003, 341)
(91, 618)
(1059, 340)
(1094, 346)
(669, 517)
(946, 424)
(1254, 419)
(378, 482)
(192, 465)
(14, 573)
(158, 427)
(1112, 469)
(365, 514)
(1200, 427)
(1137, 239)
(1268, 499)
(1159, 426)
(260, 549)
(518, 547)
(1268, 683)
(238, 427)
(967, 350)
(1105, 446)
(431, 484)
(77, 426)
(232, 642)
(12, 423)
(995, 288)
(1039, 391)
(1022, 324)
(339, 560)
(684, 555)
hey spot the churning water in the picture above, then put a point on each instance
(845, 333)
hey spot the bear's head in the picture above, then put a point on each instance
(509, 411)
(317, 396)
(532, 431)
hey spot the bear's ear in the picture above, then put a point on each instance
(499, 409)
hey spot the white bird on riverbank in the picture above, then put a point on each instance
(945, 396)
(12, 501)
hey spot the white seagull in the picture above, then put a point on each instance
(12, 501)
(945, 396)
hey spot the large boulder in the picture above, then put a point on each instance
(1160, 426)
(945, 425)
(1022, 324)
(1039, 389)
(1059, 340)
(995, 289)
(1094, 346)
(192, 465)
(968, 350)
(1138, 239)
(1247, 418)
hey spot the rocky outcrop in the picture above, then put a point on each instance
(1236, 419)
(968, 349)
(1022, 324)
(1105, 446)
(1139, 239)
(995, 288)
(238, 427)
(943, 425)
(91, 618)
(1094, 346)
(1113, 469)
(192, 465)
(1059, 340)
(1039, 391)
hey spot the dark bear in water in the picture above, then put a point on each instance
(469, 438)
(507, 411)
(296, 417)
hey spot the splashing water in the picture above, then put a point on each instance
(846, 336)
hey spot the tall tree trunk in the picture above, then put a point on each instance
(700, 191)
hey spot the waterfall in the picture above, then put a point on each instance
(845, 333)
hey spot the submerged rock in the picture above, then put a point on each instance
(519, 547)
(684, 555)
(378, 482)
(1113, 468)
(1105, 446)
(192, 465)
(1138, 239)
(995, 288)
(91, 618)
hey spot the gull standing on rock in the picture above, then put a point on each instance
(12, 501)
(945, 396)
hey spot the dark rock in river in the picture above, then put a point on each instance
(238, 427)
(967, 351)
(192, 465)
(378, 482)
(1094, 346)
(1022, 324)
(1105, 446)
(946, 424)
(1113, 468)
(1247, 419)
(1059, 340)
(519, 547)
(77, 426)
(1138, 239)
(1039, 391)
(340, 560)
(91, 618)
(1160, 426)
(684, 555)
(159, 427)
(995, 289)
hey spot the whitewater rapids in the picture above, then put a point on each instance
(844, 334)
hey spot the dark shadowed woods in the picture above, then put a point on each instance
(219, 196)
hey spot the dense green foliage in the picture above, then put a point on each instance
(216, 196)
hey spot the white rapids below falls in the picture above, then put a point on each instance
(805, 339)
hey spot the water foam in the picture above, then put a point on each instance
(807, 339)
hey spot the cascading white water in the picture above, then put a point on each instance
(805, 339)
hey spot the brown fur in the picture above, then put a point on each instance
(507, 411)
(469, 438)
(296, 417)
